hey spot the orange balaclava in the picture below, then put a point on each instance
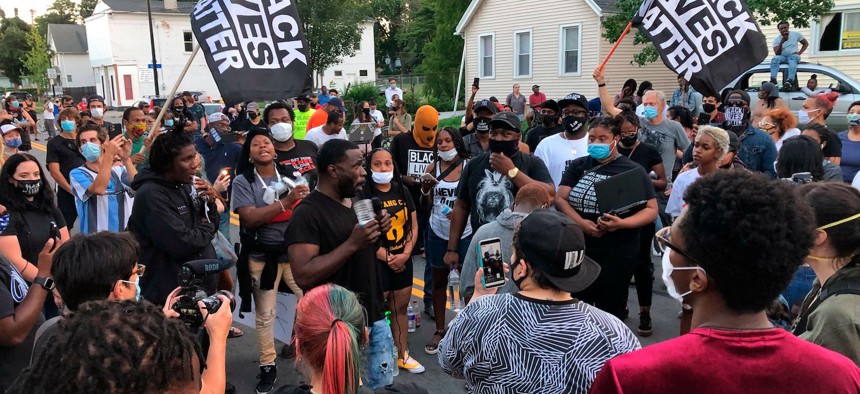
(425, 125)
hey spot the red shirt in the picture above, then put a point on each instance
(83, 106)
(537, 99)
(723, 361)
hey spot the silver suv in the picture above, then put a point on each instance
(847, 87)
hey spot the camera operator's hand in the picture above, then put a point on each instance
(480, 290)
(168, 303)
(364, 236)
(299, 192)
(217, 324)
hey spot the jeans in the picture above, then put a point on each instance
(379, 362)
(792, 61)
(224, 224)
(800, 285)
(266, 302)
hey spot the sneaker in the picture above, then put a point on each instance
(644, 324)
(410, 364)
(268, 376)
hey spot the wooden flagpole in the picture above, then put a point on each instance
(614, 47)
(172, 92)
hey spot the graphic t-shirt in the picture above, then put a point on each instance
(557, 152)
(197, 113)
(411, 159)
(444, 195)
(108, 212)
(300, 125)
(731, 361)
(13, 290)
(400, 207)
(488, 192)
(303, 157)
(666, 137)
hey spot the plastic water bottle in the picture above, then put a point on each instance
(410, 316)
(454, 290)
(417, 313)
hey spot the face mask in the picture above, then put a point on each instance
(599, 151)
(735, 115)
(803, 116)
(252, 115)
(168, 123)
(14, 143)
(30, 187)
(97, 112)
(91, 152)
(67, 125)
(650, 112)
(708, 108)
(382, 178)
(482, 125)
(15, 104)
(518, 282)
(573, 124)
(302, 107)
(854, 119)
(448, 155)
(550, 120)
(393, 85)
(137, 130)
(667, 277)
(508, 148)
(136, 287)
(629, 140)
(282, 132)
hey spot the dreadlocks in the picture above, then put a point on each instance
(114, 347)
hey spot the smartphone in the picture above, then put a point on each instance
(476, 82)
(492, 262)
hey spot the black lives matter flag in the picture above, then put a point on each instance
(708, 42)
(256, 49)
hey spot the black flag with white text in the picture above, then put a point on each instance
(255, 49)
(708, 42)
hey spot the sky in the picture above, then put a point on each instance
(24, 7)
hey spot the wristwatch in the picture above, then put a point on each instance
(47, 283)
(513, 172)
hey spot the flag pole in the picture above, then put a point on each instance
(173, 92)
(614, 47)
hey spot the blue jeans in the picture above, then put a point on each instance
(379, 363)
(799, 286)
(224, 224)
(792, 61)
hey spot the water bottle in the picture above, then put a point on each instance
(454, 290)
(410, 316)
(417, 313)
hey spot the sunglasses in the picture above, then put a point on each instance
(663, 239)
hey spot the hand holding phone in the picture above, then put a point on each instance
(476, 83)
(492, 262)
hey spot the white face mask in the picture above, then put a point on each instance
(804, 118)
(282, 132)
(448, 155)
(667, 277)
(382, 178)
(97, 113)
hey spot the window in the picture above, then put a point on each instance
(357, 46)
(569, 44)
(188, 40)
(338, 73)
(523, 54)
(840, 30)
(486, 56)
(68, 77)
(362, 73)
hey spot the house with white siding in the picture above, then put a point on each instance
(557, 47)
(69, 45)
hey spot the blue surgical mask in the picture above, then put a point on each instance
(91, 152)
(854, 119)
(14, 143)
(599, 151)
(393, 85)
(15, 104)
(650, 112)
(168, 122)
(67, 125)
(136, 287)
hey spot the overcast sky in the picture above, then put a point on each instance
(24, 7)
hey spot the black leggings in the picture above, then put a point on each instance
(644, 271)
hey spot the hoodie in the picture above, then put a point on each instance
(502, 228)
(171, 232)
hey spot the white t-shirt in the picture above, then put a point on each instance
(317, 136)
(557, 152)
(48, 113)
(788, 134)
(379, 118)
(679, 187)
(856, 182)
(389, 93)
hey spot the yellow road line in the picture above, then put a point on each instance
(38, 146)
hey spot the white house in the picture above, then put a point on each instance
(120, 54)
(71, 60)
(358, 68)
(558, 47)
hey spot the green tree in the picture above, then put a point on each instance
(85, 10)
(333, 29)
(63, 12)
(800, 13)
(389, 20)
(411, 39)
(443, 53)
(38, 60)
(13, 35)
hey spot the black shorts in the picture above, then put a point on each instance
(392, 281)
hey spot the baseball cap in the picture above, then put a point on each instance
(95, 97)
(744, 95)
(252, 106)
(9, 127)
(337, 102)
(574, 98)
(303, 97)
(485, 104)
(535, 86)
(506, 120)
(217, 117)
(734, 142)
(554, 245)
(550, 104)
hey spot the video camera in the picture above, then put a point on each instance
(800, 178)
(191, 279)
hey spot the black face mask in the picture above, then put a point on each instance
(366, 111)
(302, 107)
(550, 120)
(737, 118)
(30, 187)
(508, 148)
(517, 282)
(708, 108)
(252, 115)
(482, 125)
(573, 124)
(629, 140)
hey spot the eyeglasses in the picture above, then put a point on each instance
(663, 240)
(765, 125)
(574, 112)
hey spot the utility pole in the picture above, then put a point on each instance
(152, 46)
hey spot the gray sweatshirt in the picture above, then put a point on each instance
(502, 228)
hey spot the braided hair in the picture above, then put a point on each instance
(167, 147)
(114, 347)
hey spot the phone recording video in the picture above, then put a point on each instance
(476, 83)
(492, 262)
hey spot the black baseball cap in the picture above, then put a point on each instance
(574, 98)
(95, 97)
(485, 104)
(303, 97)
(554, 245)
(550, 104)
(506, 120)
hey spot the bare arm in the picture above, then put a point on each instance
(458, 224)
(661, 182)
(12, 251)
(252, 217)
(803, 45)
(605, 98)
(17, 327)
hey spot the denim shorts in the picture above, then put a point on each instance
(437, 247)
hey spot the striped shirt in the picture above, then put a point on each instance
(108, 212)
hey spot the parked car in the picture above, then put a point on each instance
(19, 94)
(212, 108)
(847, 87)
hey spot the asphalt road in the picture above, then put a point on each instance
(242, 354)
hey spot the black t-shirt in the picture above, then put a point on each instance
(400, 207)
(488, 192)
(246, 125)
(411, 159)
(539, 133)
(303, 157)
(644, 154)
(13, 290)
(321, 221)
(33, 228)
(833, 147)
(581, 176)
(64, 152)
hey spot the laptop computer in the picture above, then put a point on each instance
(621, 194)
(360, 133)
